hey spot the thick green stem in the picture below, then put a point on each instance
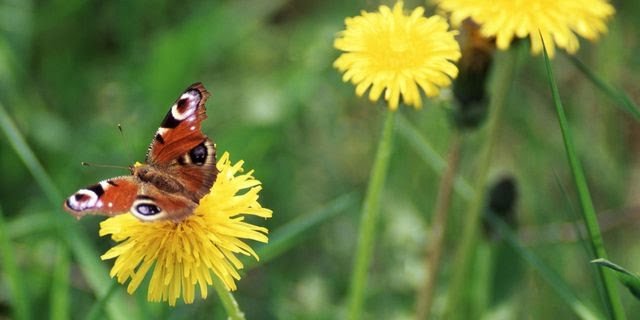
(228, 301)
(369, 220)
(433, 253)
(456, 299)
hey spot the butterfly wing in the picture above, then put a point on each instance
(180, 130)
(126, 194)
(180, 147)
(154, 204)
(109, 197)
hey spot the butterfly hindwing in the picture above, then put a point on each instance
(152, 204)
(196, 169)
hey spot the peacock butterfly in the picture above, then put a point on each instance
(179, 169)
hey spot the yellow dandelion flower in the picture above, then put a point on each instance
(398, 54)
(559, 21)
(186, 253)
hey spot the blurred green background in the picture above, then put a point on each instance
(71, 71)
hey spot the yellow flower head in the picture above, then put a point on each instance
(397, 53)
(559, 21)
(184, 254)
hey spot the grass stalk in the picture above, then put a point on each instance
(612, 298)
(369, 219)
(502, 78)
(433, 252)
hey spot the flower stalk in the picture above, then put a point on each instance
(228, 301)
(369, 219)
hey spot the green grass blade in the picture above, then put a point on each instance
(621, 99)
(59, 295)
(554, 280)
(289, 235)
(429, 155)
(612, 299)
(80, 245)
(15, 281)
(628, 278)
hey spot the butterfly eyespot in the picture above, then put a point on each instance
(146, 209)
(81, 197)
(182, 104)
(198, 154)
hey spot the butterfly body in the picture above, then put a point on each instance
(179, 170)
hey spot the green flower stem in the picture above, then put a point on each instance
(369, 219)
(502, 78)
(433, 253)
(612, 298)
(228, 301)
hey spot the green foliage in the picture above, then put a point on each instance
(71, 71)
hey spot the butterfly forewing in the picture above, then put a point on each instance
(110, 197)
(180, 130)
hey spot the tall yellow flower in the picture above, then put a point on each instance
(398, 54)
(559, 21)
(186, 253)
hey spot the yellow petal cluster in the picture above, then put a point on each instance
(183, 255)
(397, 54)
(559, 21)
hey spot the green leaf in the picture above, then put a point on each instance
(628, 278)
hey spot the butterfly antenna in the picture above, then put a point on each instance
(100, 165)
(126, 142)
